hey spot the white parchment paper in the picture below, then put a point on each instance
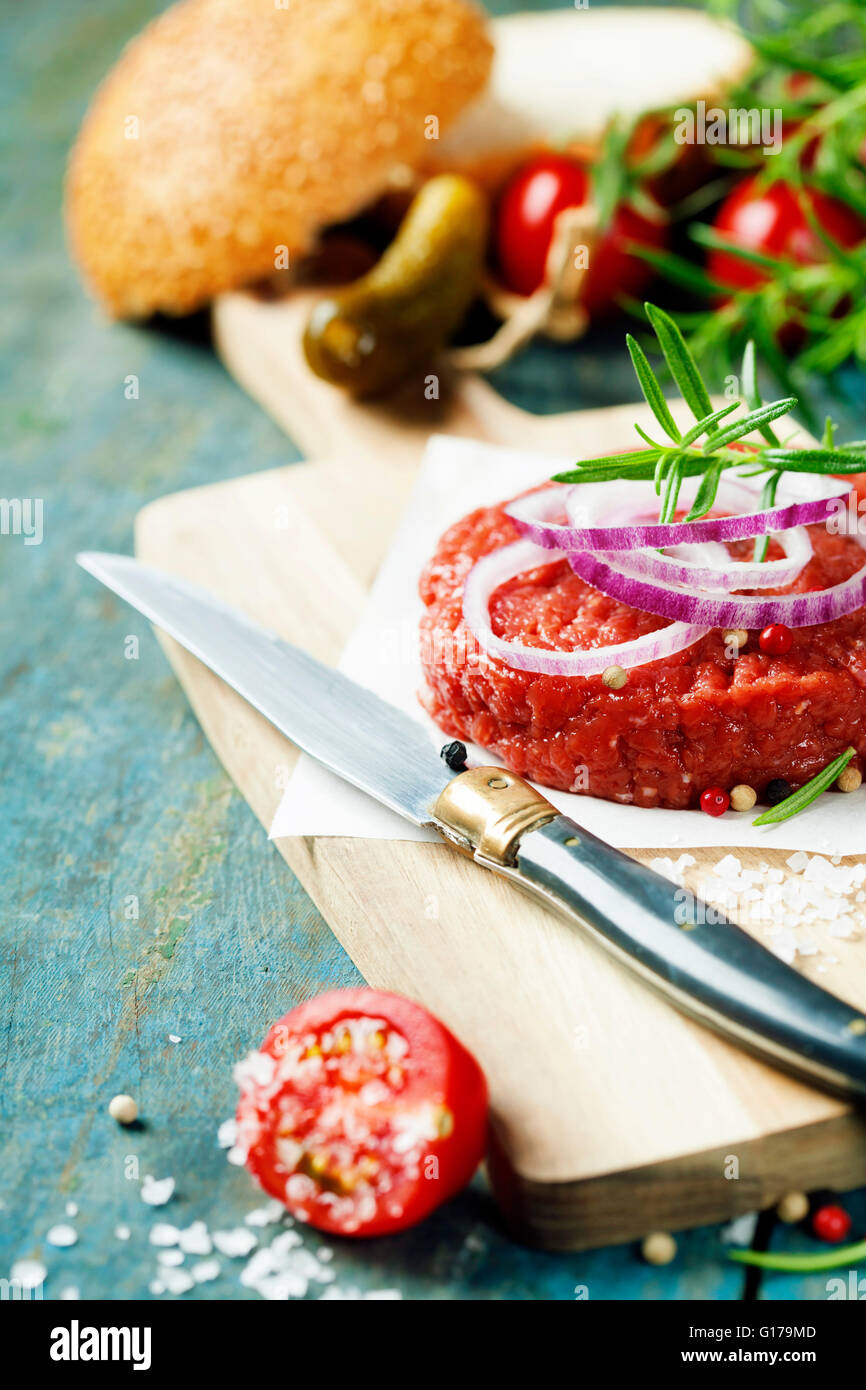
(456, 476)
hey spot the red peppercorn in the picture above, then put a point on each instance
(715, 801)
(831, 1223)
(776, 640)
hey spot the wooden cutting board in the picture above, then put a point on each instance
(612, 1114)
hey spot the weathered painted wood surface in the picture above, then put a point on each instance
(108, 791)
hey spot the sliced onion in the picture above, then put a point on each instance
(495, 569)
(723, 576)
(736, 610)
(533, 515)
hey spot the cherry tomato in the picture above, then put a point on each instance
(831, 1223)
(528, 209)
(715, 801)
(770, 220)
(361, 1112)
(776, 640)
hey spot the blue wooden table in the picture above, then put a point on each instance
(141, 900)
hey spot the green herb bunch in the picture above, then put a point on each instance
(811, 65)
(706, 449)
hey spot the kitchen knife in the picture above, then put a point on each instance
(705, 965)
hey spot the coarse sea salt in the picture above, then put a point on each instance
(227, 1133)
(195, 1240)
(234, 1243)
(156, 1191)
(817, 890)
(62, 1236)
(28, 1273)
(205, 1270)
(170, 1257)
(163, 1234)
(266, 1215)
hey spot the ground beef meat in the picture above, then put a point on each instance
(679, 725)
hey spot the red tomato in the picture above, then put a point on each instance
(528, 209)
(770, 220)
(831, 1223)
(361, 1112)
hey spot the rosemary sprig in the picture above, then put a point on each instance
(680, 455)
(802, 1264)
(811, 65)
(809, 792)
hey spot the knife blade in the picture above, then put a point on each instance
(704, 964)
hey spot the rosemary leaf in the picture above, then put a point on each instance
(749, 422)
(673, 483)
(815, 460)
(768, 497)
(707, 423)
(681, 362)
(706, 493)
(750, 389)
(652, 390)
(802, 1264)
(809, 792)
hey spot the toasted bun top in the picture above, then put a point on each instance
(230, 129)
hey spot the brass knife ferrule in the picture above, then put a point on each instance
(486, 810)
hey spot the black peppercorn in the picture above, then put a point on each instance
(777, 791)
(454, 754)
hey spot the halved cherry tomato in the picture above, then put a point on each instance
(769, 219)
(361, 1112)
(528, 209)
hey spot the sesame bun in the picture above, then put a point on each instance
(232, 128)
(560, 76)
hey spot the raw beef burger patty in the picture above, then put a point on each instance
(679, 725)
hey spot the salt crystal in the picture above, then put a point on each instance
(170, 1257)
(71, 1208)
(844, 927)
(227, 1133)
(62, 1236)
(122, 1232)
(797, 862)
(279, 1287)
(70, 1294)
(157, 1191)
(177, 1280)
(195, 1240)
(205, 1271)
(173, 1038)
(237, 1156)
(234, 1243)
(382, 1294)
(163, 1234)
(729, 867)
(28, 1273)
(283, 1243)
(258, 1268)
(266, 1215)
(258, 1067)
(784, 944)
(156, 1286)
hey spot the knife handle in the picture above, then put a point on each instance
(702, 962)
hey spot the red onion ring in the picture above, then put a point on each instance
(495, 569)
(735, 611)
(532, 517)
(724, 578)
